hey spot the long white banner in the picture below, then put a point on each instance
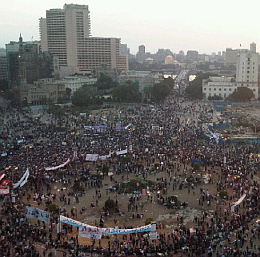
(23, 180)
(59, 166)
(91, 157)
(238, 202)
(87, 229)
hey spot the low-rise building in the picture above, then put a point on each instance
(218, 86)
(76, 82)
(41, 92)
(222, 87)
(145, 79)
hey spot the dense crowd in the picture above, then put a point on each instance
(168, 135)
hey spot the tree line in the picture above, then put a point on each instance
(127, 92)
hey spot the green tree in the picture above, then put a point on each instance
(127, 92)
(173, 201)
(162, 90)
(194, 90)
(136, 184)
(196, 166)
(242, 94)
(67, 93)
(119, 93)
(83, 97)
(104, 82)
(110, 204)
(53, 207)
(223, 194)
(148, 221)
(56, 110)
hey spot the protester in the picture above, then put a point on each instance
(166, 137)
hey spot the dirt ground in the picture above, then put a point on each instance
(166, 218)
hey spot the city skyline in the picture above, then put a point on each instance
(177, 26)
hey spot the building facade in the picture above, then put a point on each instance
(218, 86)
(247, 70)
(41, 92)
(222, 87)
(3, 65)
(25, 60)
(231, 56)
(192, 56)
(145, 79)
(253, 47)
(66, 33)
(76, 82)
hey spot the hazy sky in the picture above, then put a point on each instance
(203, 25)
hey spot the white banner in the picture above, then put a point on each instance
(92, 157)
(104, 157)
(33, 212)
(70, 221)
(110, 231)
(121, 152)
(23, 180)
(2, 175)
(58, 167)
(153, 235)
(238, 202)
(4, 190)
(90, 232)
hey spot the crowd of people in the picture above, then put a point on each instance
(161, 140)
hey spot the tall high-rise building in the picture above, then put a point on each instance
(231, 56)
(192, 55)
(247, 70)
(3, 64)
(66, 33)
(141, 49)
(253, 47)
(26, 61)
(141, 55)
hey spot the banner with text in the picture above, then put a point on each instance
(4, 190)
(33, 212)
(111, 231)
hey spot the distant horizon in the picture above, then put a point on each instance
(186, 25)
